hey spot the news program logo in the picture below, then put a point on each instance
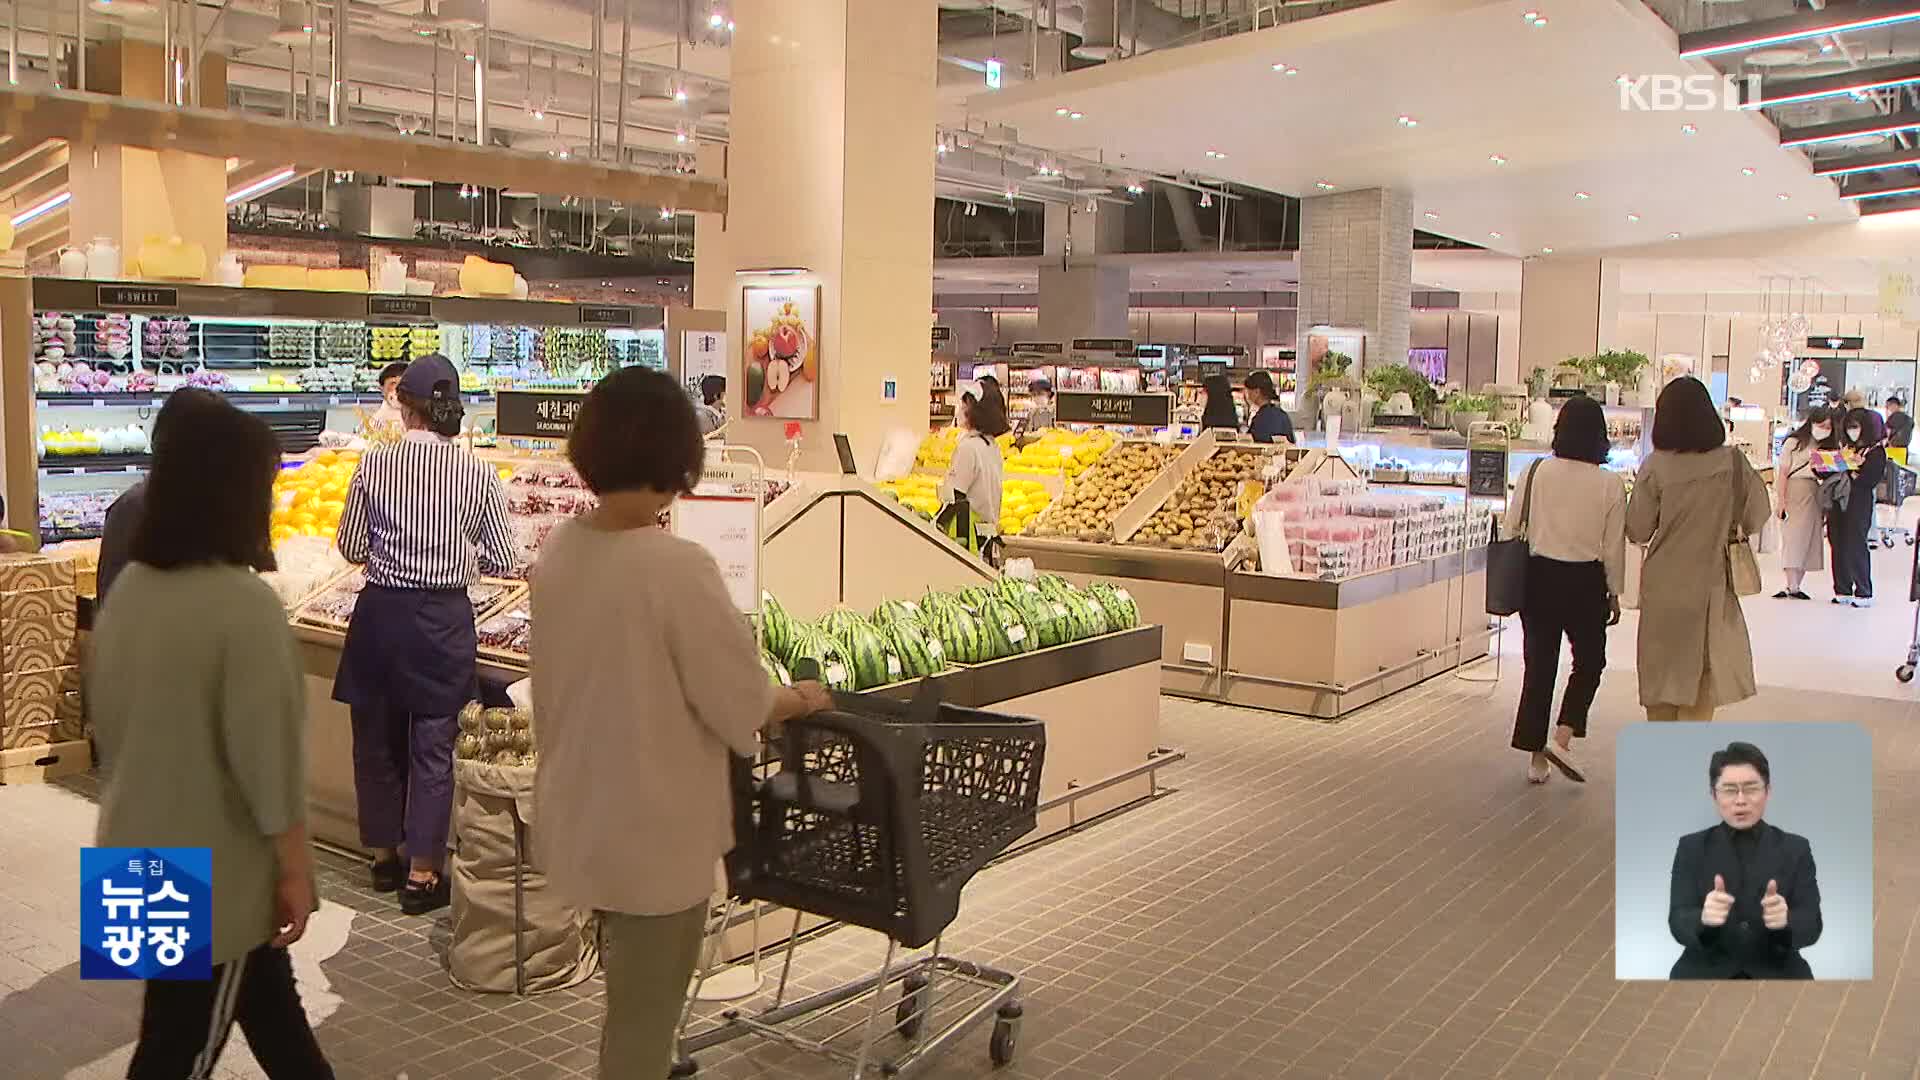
(1687, 93)
(146, 913)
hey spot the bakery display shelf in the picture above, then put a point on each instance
(75, 464)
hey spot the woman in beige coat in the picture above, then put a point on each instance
(1796, 498)
(1694, 655)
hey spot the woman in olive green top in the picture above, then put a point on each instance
(198, 701)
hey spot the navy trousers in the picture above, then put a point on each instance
(403, 779)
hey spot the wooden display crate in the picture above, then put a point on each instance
(39, 764)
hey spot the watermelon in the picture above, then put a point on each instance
(836, 670)
(893, 611)
(1054, 586)
(874, 663)
(1013, 588)
(975, 597)
(835, 623)
(776, 671)
(1089, 618)
(918, 657)
(1006, 630)
(1047, 619)
(776, 627)
(959, 635)
(1122, 613)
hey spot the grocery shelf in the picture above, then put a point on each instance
(74, 464)
(283, 399)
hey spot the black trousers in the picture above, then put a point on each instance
(184, 1025)
(1847, 540)
(1563, 600)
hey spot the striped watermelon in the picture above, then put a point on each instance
(960, 635)
(1047, 619)
(893, 611)
(874, 663)
(1006, 629)
(1122, 612)
(918, 655)
(975, 597)
(836, 670)
(776, 671)
(776, 627)
(837, 622)
(1054, 586)
(1089, 618)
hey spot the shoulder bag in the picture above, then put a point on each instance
(1743, 568)
(1507, 560)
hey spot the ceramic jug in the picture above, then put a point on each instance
(103, 259)
(73, 262)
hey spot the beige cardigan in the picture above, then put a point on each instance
(1682, 508)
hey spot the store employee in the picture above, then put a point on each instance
(1270, 422)
(423, 515)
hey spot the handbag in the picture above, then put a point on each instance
(1836, 491)
(1507, 560)
(1743, 568)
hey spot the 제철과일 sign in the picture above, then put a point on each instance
(146, 913)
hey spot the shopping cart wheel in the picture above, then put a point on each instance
(1904, 673)
(682, 1068)
(1006, 1035)
(911, 1013)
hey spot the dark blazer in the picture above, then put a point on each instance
(1744, 946)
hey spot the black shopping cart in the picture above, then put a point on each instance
(1894, 489)
(877, 814)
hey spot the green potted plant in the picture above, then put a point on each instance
(1468, 410)
(1623, 369)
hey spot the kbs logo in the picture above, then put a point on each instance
(1686, 93)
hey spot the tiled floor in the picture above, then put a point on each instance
(1377, 898)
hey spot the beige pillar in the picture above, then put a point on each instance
(1569, 306)
(129, 194)
(1356, 269)
(1083, 301)
(830, 170)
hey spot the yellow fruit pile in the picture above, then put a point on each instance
(916, 491)
(936, 450)
(1020, 502)
(1044, 457)
(307, 501)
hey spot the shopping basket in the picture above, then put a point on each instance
(1896, 486)
(877, 814)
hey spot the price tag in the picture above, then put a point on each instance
(1016, 633)
(98, 404)
(283, 403)
(333, 399)
(836, 673)
(893, 666)
(935, 650)
(133, 468)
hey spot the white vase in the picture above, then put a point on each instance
(103, 259)
(229, 271)
(391, 275)
(73, 262)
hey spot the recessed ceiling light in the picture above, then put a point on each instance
(1494, 235)
(1497, 159)
(1406, 121)
(1286, 69)
(1783, 196)
(1813, 217)
(1323, 185)
(1583, 196)
(1633, 218)
(1431, 216)
(1062, 111)
(1689, 129)
(1216, 154)
(1540, 23)
(1076, 116)
(1546, 251)
(1673, 236)
(1748, 171)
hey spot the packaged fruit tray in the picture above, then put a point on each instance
(330, 607)
(1087, 510)
(1203, 512)
(507, 633)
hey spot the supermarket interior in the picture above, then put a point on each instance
(1163, 523)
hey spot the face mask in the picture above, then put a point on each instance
(1821, 431)
(1853, 434)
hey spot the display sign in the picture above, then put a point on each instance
(116, 297)
(1039, 348)
(993, 74)
(537, 414)
(400, 307)
(146, 913)
(1208, 351)
(702, 353)
(1838, 343)
(723, 516)
(1399, 420)
(1120, 346)
(942, 334)
(994, 351)
(594, 315)
(782, 365)
(1092, 407)
(1487, 472)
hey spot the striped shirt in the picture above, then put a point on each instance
(425, 514)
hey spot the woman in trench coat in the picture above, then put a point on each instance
(1694, 655)
(1796, 498)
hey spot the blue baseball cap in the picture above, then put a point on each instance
(430, 376)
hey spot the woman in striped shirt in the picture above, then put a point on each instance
(425, 517)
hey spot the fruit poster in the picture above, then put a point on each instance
(782, 361)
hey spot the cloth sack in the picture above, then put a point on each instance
(1507, 560)
(561, 944)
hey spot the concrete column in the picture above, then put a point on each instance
(1083, 301)
(1569, 306)
(830, 169)
(130, 194)
(1356, 269)
(1092, 232)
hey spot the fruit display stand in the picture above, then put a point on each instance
(1292, 644)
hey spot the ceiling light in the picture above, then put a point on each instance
(1406, 121)
(1813, 217)
(1783, 196)
(1673, 236)
(716, 20)
(1546, 251)
(666, 213)
(1206, 200)
(129, 8)
(1431, 216)
(1076, 116)
(1494, 235)
(1286, 69)
(564, 153)
(1062, 111)
(1216, 154)
(1633, 219)
(47, 207)
(1689, 129)
(1497, 159)
(1323, 185)
(1583, 195)
(680, 94)
(1748, 171)
(1537, 21)
(258, 186)
(1799, 27)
